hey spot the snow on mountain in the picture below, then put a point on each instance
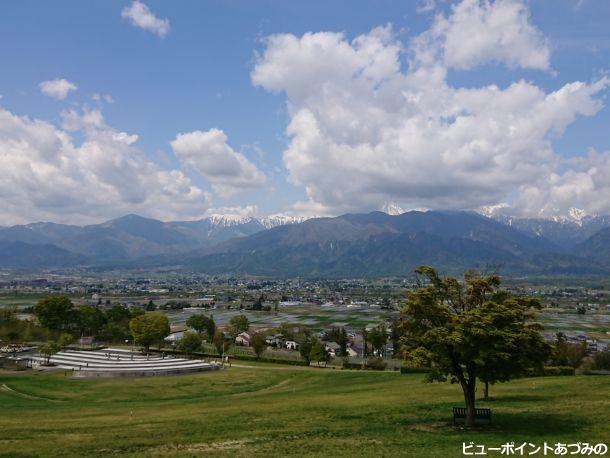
(575, 215)
(267, 222)
(229, 220)
(493, 211)
(280, 220)
(392, 208)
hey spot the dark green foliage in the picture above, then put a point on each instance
(49, 349)
(600, 361)
(201, 323)
(378, 337)
(551, 371)
(258, 344)
(305, 349)
(14, 330)
(220, 342)
(258, 304)
(149, 328)
(469, 330)
(56, 313)
(65, 339)
(567, 353)
(239, 324)
(176, 305)
(89, 320)
(190, 343)
(377, 364)
(319, 352)
(414, 370)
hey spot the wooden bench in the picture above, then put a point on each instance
(479, 414)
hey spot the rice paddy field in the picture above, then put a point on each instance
(313, 316)
(282, 411)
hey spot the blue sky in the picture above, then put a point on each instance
(198, 77)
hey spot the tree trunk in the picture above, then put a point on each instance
(486, 391)
(469, 397)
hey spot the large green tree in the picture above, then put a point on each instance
(471, 329)
(201, 323)
(149, 328)
(89, 320)
(55, 313)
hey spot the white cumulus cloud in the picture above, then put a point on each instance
(480, 31)
(57, 88)
(139, 15)
(208, 152)
(363, 130)
(46, 175)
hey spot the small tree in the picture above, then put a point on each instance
(305, 349)
(319, 353)
(471, 330)
(149, 328)
(342, 340)
(65, 339)
(601, 361)
(220, 342)
(567, 353)
(239, 324)
(258, 304)
(395, 335)
(47, 350)
(190, 343)
(258, 344)
(378, 337)
(365, 338)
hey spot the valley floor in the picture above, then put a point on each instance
(264, 412)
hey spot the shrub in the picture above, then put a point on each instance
(414, 370)
(377, 364)
(549, 371)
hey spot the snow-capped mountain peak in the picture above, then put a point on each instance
(280, 220)
(392, 208)
(576, 216)
(229, 220)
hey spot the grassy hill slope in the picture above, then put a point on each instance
(285, 412)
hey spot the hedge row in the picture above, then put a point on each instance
(414, 370)
(549, 371)
(242, 357)
(546, 371)
(371, 364)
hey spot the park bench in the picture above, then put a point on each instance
(479, 414)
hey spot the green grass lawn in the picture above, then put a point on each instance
(267, 412)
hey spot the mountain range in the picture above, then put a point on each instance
(352, 245)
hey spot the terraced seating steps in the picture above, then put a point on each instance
(104, 363)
